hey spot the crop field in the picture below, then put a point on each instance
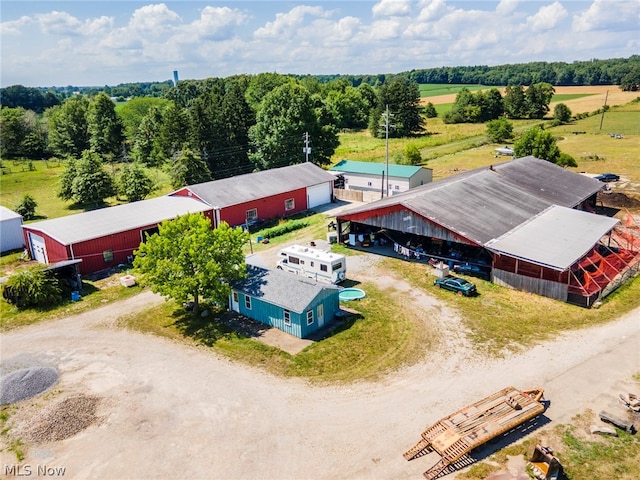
(435, 90)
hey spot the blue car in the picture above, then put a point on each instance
(457, 285)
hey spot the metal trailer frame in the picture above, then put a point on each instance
(455, 436)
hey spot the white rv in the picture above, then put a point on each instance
(313, 263)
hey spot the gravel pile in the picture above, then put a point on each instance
(26, 383)
(63, 419)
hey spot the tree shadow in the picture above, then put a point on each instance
(206, 330)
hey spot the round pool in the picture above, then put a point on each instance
(348, 294)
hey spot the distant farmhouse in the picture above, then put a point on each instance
(102, 239)
(527, 223)
(370, 176)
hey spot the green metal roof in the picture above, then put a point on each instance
(372, 168)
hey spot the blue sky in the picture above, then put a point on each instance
(58, 43)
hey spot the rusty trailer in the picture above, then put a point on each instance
(455, 436)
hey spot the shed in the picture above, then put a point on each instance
(107, 237)
(10, 230)
(369, 176)
(264, 195)
(296, 305)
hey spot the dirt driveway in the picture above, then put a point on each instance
(172, 411)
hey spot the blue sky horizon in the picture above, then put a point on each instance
(84, 43)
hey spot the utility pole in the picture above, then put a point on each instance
(604, 108)
(386, 134)
(306, 149)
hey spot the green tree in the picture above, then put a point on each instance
(562, 113)
(13, 131)
(539, 143)
(402, 96)
(32, 287)
(189, 260)
(566, 160)
(515, 105)
(430, 110)
(285, 115)
(90, 183)
(134, 183)
(631, 81)
(68, 132)
(104, 127)
(147, 146)
(27, 207)
(499, 130)
(412, 155)
(188, 169)
(537, 99)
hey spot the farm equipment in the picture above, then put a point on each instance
(453, 437)
(544, 464)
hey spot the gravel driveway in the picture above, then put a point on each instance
(165, 410)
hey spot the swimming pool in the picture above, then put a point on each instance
(348, 294)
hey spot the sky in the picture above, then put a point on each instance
(95, 43)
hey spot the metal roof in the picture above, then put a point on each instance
(6, 213)
(252, 186)
(284, 289)
(121, 218)
(556, 238)
(372, 168)
(486, 203)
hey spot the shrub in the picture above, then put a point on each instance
(286, 227)
(27, 207)
(32, 287)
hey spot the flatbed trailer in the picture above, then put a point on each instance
(455, 436)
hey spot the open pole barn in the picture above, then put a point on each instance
(264, 195)
(525, 223)
(104, 238)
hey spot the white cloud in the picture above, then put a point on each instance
(506, 7)
(154, 19)
(547, 17)
(608, 15)
(286, 25)
(59, 23)
(431, 10)
(14, 27)
(391, 8)
(215, 23)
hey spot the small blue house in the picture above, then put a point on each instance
(296, 305)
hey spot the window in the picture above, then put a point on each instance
(397, 187)
(235, 297)
(309, 317)
(311, 264)
(252, 214)
(287, 317)
(294, 260)
(290, 204)
(369, 184)
(107, 256)
(323, 267)
(247, 302)
(337, 266)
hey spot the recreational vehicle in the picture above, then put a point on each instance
(313, 263)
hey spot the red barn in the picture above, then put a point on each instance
(104, 238)
(264, 195)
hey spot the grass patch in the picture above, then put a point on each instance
(501, 319)
(437, 89)
(565, 97)
(378, 340)
(7, 442)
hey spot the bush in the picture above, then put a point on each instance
(27, 207)
(286, 227)
(32, 287)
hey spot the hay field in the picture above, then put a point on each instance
(594, 100)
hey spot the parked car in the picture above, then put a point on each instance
(456, 284)
(470, 269)
(608, 177)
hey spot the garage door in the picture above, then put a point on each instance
(38, 248)
(318, 195)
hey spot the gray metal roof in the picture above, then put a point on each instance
(121, 218)
(251, 186)
(557, 238)
(284, 289)
(6, 213)
(485, 203)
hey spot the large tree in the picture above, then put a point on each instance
(105, 127)
(187, 260)
(85, 181)
(188, 169)
(402, 96)
(539, 143)
(68, 132)
(538, 96)
(285, 116)
(134, 183)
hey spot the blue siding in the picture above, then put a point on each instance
(273, 315)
